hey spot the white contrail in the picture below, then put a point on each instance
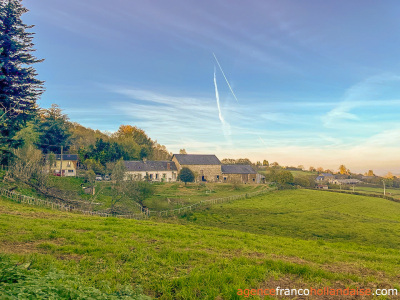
(226, 128)
(262, 141)
(225, 78)
(217, 97)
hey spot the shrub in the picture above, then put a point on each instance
(186, 175)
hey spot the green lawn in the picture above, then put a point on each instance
(299, 238)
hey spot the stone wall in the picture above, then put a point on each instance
(239, 178)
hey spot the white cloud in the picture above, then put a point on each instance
(371, 92)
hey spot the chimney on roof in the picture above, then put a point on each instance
(168, 166)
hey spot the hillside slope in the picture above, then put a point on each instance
(223, 250)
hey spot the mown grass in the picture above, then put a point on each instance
(300, 236)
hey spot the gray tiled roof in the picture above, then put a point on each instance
(327, 175)
(197, 159)
(150, 165)
(65, 156)
(237, 169)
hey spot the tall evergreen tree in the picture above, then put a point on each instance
(53, 130)
(19, 87)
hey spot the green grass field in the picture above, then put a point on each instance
(175, 195)
(166, 195)
(296, 238)
(392, 192)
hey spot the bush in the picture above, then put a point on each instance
(186, 175)
(304, 181)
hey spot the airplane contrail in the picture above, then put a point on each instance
(225, 78)
(226, 128)
(217, 97)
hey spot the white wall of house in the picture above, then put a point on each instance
(158, 176)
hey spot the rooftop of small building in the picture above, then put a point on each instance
(197, 159)
(150, 165)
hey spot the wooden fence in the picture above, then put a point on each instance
(145, 213)
(17, 197)
(178, 211)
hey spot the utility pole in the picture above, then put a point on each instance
(384, 188)
(61, 161)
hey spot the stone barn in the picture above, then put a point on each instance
(239, 174)
(206, 167)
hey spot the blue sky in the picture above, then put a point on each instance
(317, 82)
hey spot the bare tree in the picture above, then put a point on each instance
(29, 167)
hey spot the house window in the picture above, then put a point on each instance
(69, 164)
(151, 176)
(156, 176)
(164, 175)
(70, 171)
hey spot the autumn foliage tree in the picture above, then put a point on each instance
(132, 137)
(370, 173)
(343, 170)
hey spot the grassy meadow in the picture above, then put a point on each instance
(166, 195)
(392, 192)
(296, 238)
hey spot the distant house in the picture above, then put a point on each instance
(161, 171)
(66, 166)
(325, 177)
(206, 167)
(240, 174)
(321, 187)
(346, 181)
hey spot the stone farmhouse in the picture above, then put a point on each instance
(161, 171)
(206, 167)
